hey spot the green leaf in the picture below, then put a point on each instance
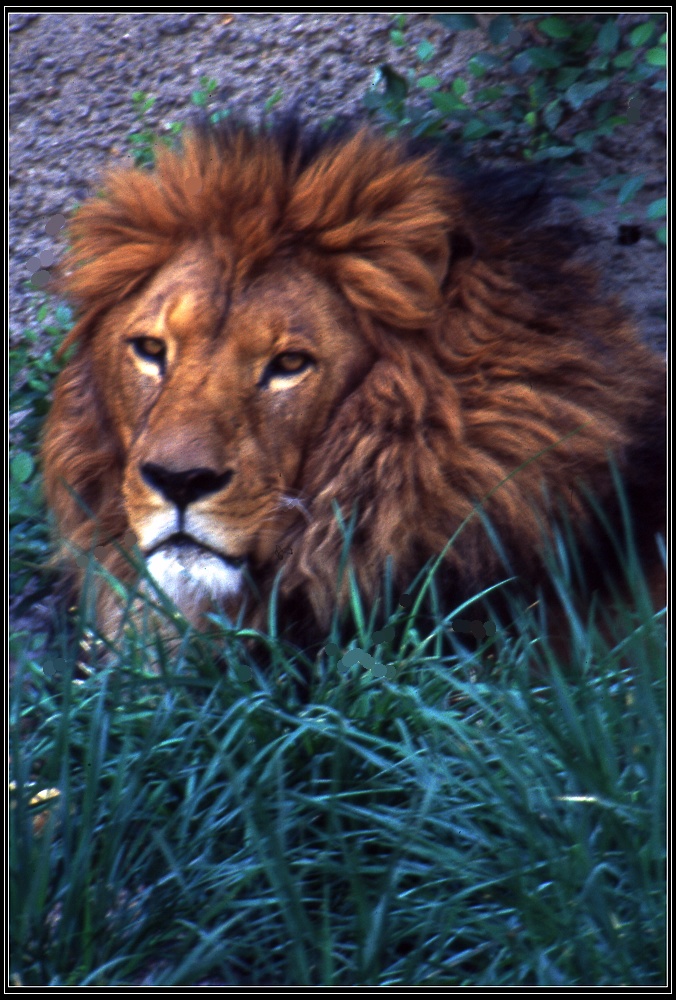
(521, 64)
(489, 94)
(641, 34)
(475, 130)
(459, 87)
(661, 235)
(589, 206)
(580, 93)
(429, 125)
(400, 21)
(552, 115)
(397, 38)
(556, 27)
(429, 82)
(599, 64)
(481, 62)
(604, 109)
(608, 36)
(554, 152)
(656, 57)
(657, 209)
(142, 102)
(567, 76)
(273, 99)
(499, 28)
(630, 188)
(543, 58)
(21, 467)
(584, 141)
(425, 51)
(64, 316)
(447, 103)
(531, 119)
(458, 22)
(625, 59)
(608, 183)
(610, 124)
(584, 37)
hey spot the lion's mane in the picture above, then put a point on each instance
(501, 375)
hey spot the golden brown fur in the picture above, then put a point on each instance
(269, 333)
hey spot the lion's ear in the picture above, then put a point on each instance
(380, 222)
(81, 454)
(400, 284)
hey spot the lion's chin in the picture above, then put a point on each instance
(193, 577)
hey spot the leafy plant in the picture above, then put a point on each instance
(202, 98)
(33, 363)
(544, 88)
(144, 138)
(656, 211)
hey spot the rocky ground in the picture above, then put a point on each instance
(72, 77)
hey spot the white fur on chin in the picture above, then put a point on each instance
(193, 577)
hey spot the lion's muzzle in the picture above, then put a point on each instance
(185, 486)
(194, 575)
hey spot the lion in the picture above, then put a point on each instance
(279, 335)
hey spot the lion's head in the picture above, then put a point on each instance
(271, 335)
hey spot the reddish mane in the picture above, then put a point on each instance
(498, 362)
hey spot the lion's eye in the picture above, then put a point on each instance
(287, 363)
(149, 349)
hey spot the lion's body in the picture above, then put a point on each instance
(268, 336)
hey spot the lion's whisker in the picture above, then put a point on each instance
(296, 504)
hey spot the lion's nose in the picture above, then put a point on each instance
(184, 487)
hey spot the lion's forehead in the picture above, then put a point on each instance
(189, 301)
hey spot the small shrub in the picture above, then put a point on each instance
(545, 88)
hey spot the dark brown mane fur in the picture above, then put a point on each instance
(503, 376)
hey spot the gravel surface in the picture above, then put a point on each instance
(72, 77)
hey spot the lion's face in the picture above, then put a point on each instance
(275, 341)
(217, 397)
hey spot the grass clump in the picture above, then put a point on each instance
(182, 816)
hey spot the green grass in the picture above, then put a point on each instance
(456, 823)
